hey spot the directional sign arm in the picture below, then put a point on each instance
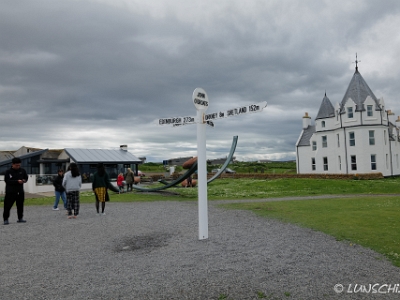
(177, 121)
(207, 118)
(252, 108)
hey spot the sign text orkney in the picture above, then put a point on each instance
(252, 108)
(178, 121)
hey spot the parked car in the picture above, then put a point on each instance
(141, 174)
(215, 170)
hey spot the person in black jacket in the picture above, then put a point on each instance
(15, 177)
(59, 190)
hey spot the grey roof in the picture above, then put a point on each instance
(306, 136)
(358, 90)
(31, 154)
(91, 156)
(5, 155)
(326, 109)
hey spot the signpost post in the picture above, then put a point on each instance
(201, 102)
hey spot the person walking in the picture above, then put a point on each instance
(15, 177)
(120, 182)
(59, 190)
(100, 184)
(72, 183)
(129, 178)
(189, 181)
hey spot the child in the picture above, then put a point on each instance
(120, 182)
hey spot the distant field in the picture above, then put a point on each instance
(239, 167)
(270, 188)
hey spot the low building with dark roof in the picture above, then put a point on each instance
(43, 164)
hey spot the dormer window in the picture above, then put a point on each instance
(323, 124)
(370, 112)
(350, 112)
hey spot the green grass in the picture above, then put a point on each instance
(88, 197)
(276, 167)
(257, 188)
(371, 222)
(284, 187)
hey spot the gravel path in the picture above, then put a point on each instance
(151, 251)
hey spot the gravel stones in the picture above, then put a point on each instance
(151, 251)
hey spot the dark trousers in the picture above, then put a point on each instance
(9, 200)
(73, 202)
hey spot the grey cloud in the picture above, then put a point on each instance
(103, 72)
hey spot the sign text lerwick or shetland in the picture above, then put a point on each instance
(233, 112)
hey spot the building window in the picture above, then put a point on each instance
(353, 162)
(323, 124)
(387, 161)
(350, 112)
(338, 140)
(325, 163)
(340, 163)
(371, 137)
(384, 136)
(314, 145)
(370, 112)
(352, 139)
(324, 141)
(373, 162)
(313, 163)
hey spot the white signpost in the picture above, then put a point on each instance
(201, 102)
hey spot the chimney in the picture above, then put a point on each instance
(306, 121)
(123, 147)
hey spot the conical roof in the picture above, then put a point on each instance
(358, 91)
(326, 110)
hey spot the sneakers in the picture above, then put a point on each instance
(56, 208)
(19, 221)
(103, 213)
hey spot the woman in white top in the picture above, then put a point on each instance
(72, 183)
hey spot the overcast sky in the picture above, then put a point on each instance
(100, 73)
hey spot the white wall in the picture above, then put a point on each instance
(31, 187)
(2, 185)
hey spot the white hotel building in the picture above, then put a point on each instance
(356, 136)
